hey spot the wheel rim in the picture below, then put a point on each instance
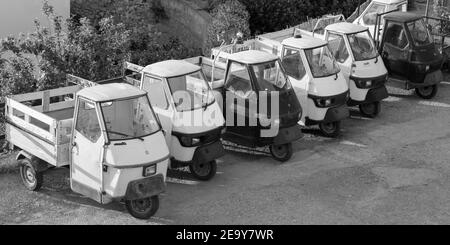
(202, 169)
(279, 151)
(141, 205)
(426, 91)
(29, 176)
(329, 127)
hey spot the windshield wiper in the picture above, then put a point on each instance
(126, 135)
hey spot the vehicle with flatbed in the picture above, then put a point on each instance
(108, 136)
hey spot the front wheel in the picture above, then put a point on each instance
(370, 110)
(281, 153)
(31, 177)
(203, 171)
(427, 92)
(331, 129)
(143, 208)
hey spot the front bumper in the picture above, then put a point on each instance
(333, 115)
(202, 154)
(373, 95)
(144, 188)
(287, 135)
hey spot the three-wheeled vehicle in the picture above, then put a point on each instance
(407, 49)
(357, 56)
(186, 107)
(259, 103)
(108, 135)
(316, 79)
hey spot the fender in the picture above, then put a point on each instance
(38, 164)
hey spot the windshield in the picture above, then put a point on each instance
(362, 45)
(129, 118)
(321, 62)
(270, 76)
(419, 33)
(190, 91)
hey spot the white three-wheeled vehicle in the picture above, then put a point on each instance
(189, 114)
(108, 135)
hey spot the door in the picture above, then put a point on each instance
(395, 49)
(87, 151)
(340, 50)
(241, 103)
(159, 100)
(296, 70)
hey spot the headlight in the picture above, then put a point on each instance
(149, 170)
(186, 141)
(324, 102)
(363, 84)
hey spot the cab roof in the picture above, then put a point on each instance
(171, 68)
(109, 92)
(251, 57)
(346, 28)
(403, 17)
(304, 42)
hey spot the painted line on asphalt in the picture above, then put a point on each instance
(434, 103)
(181, 181)
(446, 83)
(350, 143)
(392, 99)
(361, 118)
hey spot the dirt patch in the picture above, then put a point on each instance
(404, 177)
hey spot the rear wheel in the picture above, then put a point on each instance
(427, 92)
(31, 177)
(281, 153)
(371, 109)
(331, 129)
(143, 208)
(203, 171)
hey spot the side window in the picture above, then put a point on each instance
(156, 93)
(238, 80)
(87, 121)
(370, 16)
(395, 35)
(337, 46)
(292, 63)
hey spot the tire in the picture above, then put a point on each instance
(282, 153)
(427, 92)
(31, 177)
(370, 110)
(143, 208)
(203, 171)
(331, 130)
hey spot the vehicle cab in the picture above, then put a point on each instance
(368, 15)
(410, 54)
(116, 148)
(259, 95)
(355, 51)
(317, 81)
(190, 116)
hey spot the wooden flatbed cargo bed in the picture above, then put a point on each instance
(40, 123)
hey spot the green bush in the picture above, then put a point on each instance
(269, 15)
(227, 16)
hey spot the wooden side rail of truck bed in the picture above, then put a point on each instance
(41, 123)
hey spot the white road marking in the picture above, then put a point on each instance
(446, 83)
(219, 172)
(392, 99)
(219, 161)
(361, 118)
(434, 103)
(181, 181)
(346, 142)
